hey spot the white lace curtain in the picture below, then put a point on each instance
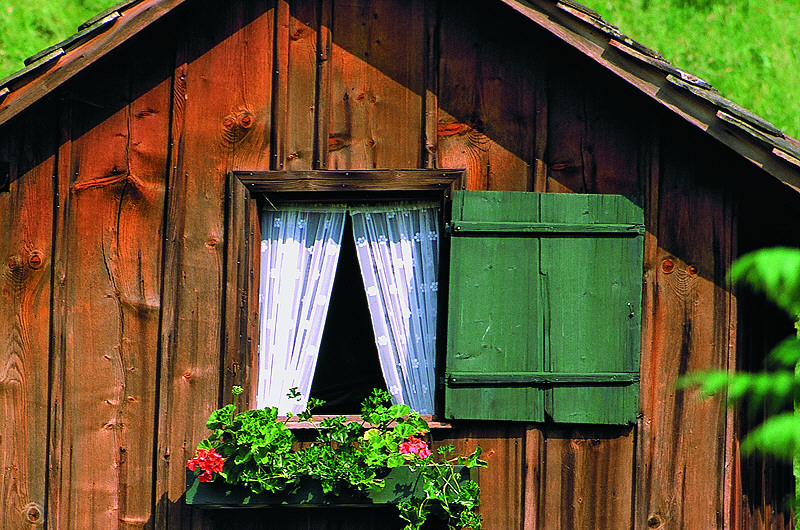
(398, 252)
(299, 251)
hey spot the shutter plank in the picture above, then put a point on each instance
(494, 312)
(592, 307)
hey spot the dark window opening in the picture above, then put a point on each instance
(348, 367)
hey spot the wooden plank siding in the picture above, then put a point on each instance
(129, 273)
(222, 95)
(26, 221)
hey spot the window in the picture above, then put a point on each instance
(397, 248)
(543, 297)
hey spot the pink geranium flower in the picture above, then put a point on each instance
(209, 461)
(416, 446)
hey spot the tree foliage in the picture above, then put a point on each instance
(775, 272)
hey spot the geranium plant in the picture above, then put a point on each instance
(257, 450)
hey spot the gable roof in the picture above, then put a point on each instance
(684, 94)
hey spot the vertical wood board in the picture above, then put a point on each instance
(25, 289)
(221, 116)
(112, 293)
(376, 92)
(687, 326)
(487, 117)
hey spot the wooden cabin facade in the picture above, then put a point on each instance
(129, 301)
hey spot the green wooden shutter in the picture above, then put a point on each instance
(544, 309)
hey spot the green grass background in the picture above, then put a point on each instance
(748, 49)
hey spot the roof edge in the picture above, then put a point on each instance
(59, 63)
(684, 94)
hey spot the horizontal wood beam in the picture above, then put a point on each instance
(467, 227)
(359, 180)
(539, 378)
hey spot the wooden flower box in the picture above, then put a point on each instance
(400, 483)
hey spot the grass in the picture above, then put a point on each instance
(748, 49)
(27, 27)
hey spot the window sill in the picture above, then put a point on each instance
(400, 483)
(294, 424)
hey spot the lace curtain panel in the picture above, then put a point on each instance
(299, 252)
(398, 252)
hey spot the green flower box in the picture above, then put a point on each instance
(400, 483)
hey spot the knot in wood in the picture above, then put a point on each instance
(246, 120)
(654, 521)
(35, 259)
(14, 263)
(692, 270)
(667, 266)
(33, 513)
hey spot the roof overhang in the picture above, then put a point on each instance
(682, 93)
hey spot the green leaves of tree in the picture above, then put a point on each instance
(776, 273)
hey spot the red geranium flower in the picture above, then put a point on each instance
(416, 446)
(209, 461)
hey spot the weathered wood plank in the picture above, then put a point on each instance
(324, 101)
(94, 368)
(251, 149)
(377, 85)
(688, 322)
(112, 293)
(592, 130)
(584, 477)
(501, 482)
(27, 153)
(488, 117)
(296, 94)
(356, 181)
(58, 473)
(138, 269)
(216, 116)
(240, 355)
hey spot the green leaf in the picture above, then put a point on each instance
(785, 355)
(220, 417)
(773, 271)
(778, 436)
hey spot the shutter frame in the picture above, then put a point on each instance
(544, 306)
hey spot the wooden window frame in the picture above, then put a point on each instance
(240, 328)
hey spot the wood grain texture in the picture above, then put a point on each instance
(221, 116)
(25, 289)
(112, 283)
(579, 477)
(593, 129)
(687, 327)
(503, 447)
(377, 68)
(487, 117)
(254, 146)
(358, 181)
(297, 92)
